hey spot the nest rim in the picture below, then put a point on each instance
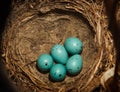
(99, 36)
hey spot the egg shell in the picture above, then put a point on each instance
(44, 62)
(74, 64)
(58, 72)
(59, 54)
(73, 45)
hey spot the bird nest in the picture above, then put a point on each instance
(33, 27)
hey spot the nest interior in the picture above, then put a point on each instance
(33, 28)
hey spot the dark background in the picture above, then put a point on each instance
(4, 11)
(5, 83)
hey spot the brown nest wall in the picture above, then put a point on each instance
(33, 27)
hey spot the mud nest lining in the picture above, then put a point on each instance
(33, 28)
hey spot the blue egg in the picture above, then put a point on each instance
(74, 64)
(73, 45)
(58, 72)
(59, 54)
(45, 62)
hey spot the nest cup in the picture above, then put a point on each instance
(34, 27)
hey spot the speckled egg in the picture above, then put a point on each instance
(59, 54)
(74, 64)
(58, 72)
(73, 45)
(44, 62)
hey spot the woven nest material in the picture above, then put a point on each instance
(35, 26)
